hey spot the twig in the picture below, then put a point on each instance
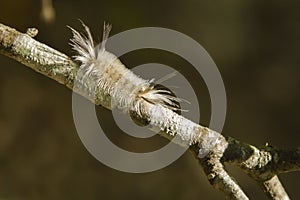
(262, 164)
(274, 189)
(47, 11)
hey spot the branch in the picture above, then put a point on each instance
(210, 148)
(274, 189)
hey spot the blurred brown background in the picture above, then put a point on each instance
(254, 44)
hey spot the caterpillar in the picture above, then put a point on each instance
(130, 93)
(126, 89)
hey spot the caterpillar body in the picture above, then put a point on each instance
(132, 94)
(125, 88)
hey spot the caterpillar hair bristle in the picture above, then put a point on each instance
(106, 31)
(126, 89)
(166, 77)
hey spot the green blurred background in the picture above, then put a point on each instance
(254, 44)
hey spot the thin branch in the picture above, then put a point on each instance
(262, 163)
(37, 56)
(209, 147)
(217, 175)
(274, 189)
(47, 11)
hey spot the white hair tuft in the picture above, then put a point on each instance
(126, 89)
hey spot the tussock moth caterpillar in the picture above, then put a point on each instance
(126, 89)
(134, 95)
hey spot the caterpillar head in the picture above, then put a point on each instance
(156, 94)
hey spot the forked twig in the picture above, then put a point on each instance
(262, 164)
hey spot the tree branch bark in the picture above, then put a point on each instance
(263, 164)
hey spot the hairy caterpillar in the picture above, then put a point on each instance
(134, 95)
(126, 89)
